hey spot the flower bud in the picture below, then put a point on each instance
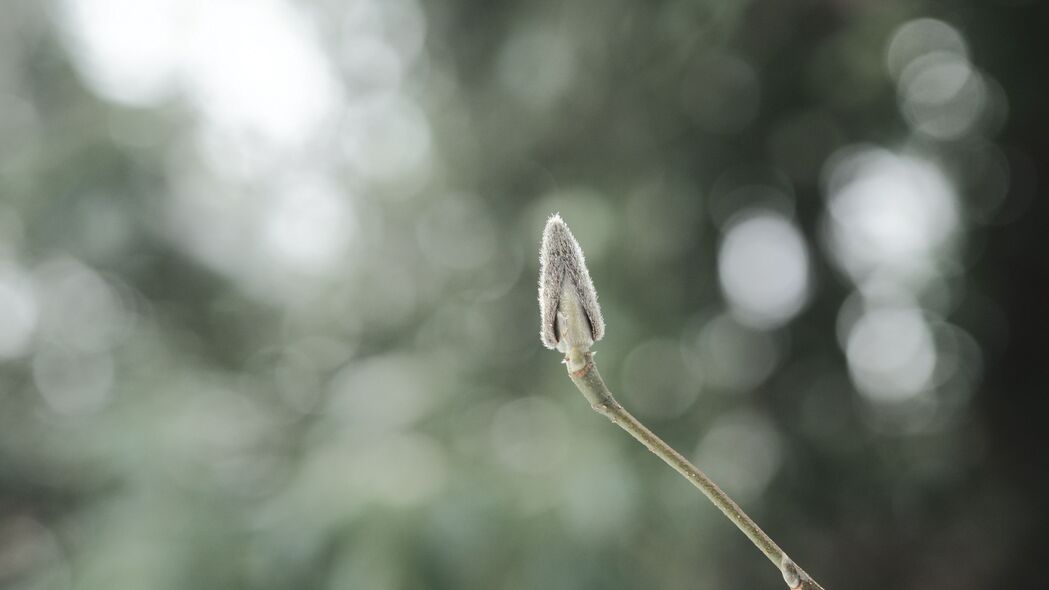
(571, 318)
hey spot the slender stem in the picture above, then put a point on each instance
(589, 382)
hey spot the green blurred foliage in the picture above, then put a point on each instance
(267, 292)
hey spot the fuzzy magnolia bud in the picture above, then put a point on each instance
(571, 318)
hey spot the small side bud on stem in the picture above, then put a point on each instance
(572, 323)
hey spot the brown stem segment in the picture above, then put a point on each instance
(589, 382)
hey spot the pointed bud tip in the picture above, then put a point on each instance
(563, 270)
(555, 226)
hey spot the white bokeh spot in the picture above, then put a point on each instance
(763, 265)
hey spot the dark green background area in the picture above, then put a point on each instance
(190, 406)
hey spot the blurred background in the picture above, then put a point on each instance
(268, 292)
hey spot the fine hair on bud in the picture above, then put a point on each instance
(568, 308)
